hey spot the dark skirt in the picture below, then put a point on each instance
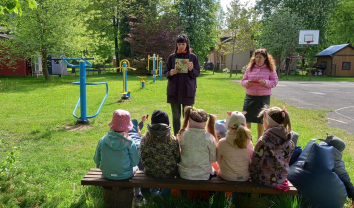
(253, 106)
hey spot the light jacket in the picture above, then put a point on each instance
(116, 156)
(233, 161)
(258, 73)
(271, 157)
(198, 151)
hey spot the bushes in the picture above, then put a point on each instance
(7, 163)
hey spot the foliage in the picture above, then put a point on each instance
(8, 162)
(226, 70)
(15, 6)
(280, 201)
(313, 15)
(48, 30)
(154, 35)
(199, 19)
(277, 31)
(109, 23)
(241, 23)
(342, 23)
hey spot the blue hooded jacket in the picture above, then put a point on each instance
(116, 156)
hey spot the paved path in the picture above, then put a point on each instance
(337, 96)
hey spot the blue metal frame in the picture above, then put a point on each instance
(160, 69)
(154, 61)
(82, 99)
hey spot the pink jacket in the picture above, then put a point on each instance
(233, 162)
(258, 73)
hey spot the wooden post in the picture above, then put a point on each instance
(121, 197)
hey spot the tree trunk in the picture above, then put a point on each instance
(232, 59)
(232, 62)
(45, 65)
(116, 48)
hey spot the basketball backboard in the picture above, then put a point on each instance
(309, 37)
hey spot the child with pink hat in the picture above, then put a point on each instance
(116, 152)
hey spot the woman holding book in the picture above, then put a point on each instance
(182, 83)
(259, 79)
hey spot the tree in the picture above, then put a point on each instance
(110, 22)
(15, 6)
(276, 33)
(241, 24)
(341, 25)
(314, 14)
(199, 19)
(54, 28)
(153, 35)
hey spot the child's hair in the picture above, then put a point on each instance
(269, 60)
(243, 136)
(236, 121)
(198, 115)
(280, 116)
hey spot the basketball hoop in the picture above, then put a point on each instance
(309, 42)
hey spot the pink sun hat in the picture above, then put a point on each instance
(121, 121)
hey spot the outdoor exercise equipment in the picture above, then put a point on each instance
(124, 65)
(142, 81)
(157, 61)
(82, 99)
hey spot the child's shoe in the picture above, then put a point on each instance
(154, 191)
(139, 200)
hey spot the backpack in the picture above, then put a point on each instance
(314, 179)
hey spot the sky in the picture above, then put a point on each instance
(225, 3)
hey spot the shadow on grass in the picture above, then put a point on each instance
(36, 135)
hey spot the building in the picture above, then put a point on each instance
(222, 61)
(337, 60)
(19, 67)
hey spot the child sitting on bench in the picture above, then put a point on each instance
(116, 153)
(272, 153)
(234, 152)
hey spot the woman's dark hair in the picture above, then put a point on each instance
(182, 39)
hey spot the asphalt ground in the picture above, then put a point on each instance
(336, 96)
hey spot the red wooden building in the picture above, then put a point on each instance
(21, 68)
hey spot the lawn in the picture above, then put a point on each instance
(42, 162)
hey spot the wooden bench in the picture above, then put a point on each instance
(94, 177)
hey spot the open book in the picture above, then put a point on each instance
(181, 65)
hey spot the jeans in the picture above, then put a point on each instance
(176, 116)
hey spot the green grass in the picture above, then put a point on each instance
(292, 77)
(51, 161)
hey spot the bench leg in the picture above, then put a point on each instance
(121, 197)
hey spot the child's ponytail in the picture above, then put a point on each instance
(243, 136)
(278, 115)
(211, 126)
(187, 113)
(286, 120)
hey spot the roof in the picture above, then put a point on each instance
(333, 49)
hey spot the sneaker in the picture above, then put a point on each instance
(139, 201)
(154, 191)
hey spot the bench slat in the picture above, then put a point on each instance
(95, 177)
